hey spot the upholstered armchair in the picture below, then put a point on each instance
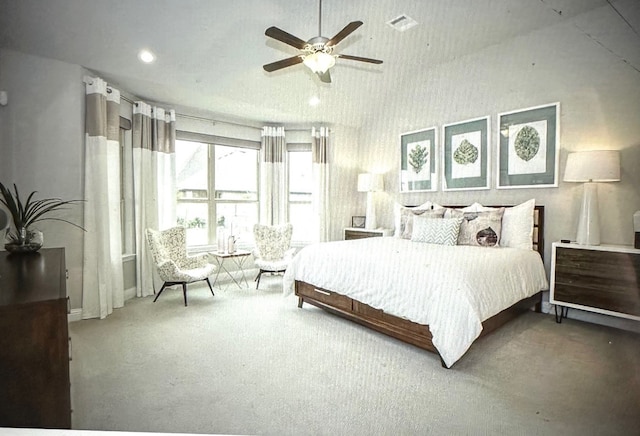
(169, 251)
(273, 251)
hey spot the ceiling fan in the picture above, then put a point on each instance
(317, 53)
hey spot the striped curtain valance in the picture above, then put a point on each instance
(274, 145)
(98, 122)
(320, 144)
(159, 126)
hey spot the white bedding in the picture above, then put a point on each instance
(450, 288)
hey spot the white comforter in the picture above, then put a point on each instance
(450, 288)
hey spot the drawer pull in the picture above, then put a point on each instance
(322, 292)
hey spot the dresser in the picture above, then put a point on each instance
(603, 279)
(359, 233)
(34, 340)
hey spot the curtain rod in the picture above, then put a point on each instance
(87, 80)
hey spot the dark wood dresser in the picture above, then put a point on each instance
(34, 340)
(603, 279)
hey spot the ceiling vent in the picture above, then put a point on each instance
(402, 23)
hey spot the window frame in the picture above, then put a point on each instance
(212, 141)
(127, 205)
(298, 148)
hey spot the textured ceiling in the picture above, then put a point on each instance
(210, 53)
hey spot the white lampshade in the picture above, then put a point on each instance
(590, 167)
(319, 62)
(593, 166)
(368, 182)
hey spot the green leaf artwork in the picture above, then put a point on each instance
(527, 143)
(466, 153)
(418, 158)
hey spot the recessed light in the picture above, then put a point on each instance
(146, 56)
(314, 101)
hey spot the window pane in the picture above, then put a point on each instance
(236, 173)
(239, 218)
(300, 173)
(195, 217)
(300, 215)
(300, 188)
(192, 175)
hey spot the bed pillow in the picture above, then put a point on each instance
(517, 225)
(398, 208)
(405, 225)
(442, 231)
(481, 229)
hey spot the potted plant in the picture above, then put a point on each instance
(21, 237)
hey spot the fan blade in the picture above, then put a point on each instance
(287, 38)
(358, 58)
(326, 77)
(348, 29)
(282, 63)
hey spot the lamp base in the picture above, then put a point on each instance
(589, 222)
(371, 221)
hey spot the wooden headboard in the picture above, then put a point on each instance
(538, 226)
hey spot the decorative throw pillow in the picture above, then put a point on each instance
(480, 228)
(443, 231)
(405, 226)
(517, 225)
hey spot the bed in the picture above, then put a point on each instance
(439, 298)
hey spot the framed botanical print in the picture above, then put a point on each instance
(418, 161)
(466, 155)
(528, 147)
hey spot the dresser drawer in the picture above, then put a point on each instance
(352, 234)
(606, 280)
(327, 297)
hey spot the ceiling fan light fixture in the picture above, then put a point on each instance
(319, 62)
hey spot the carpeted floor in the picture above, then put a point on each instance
(252, 362)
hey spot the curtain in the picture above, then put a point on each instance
(154, 186)
(102, 282)
(273, 175)
(320, 194)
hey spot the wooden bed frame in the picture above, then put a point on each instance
(403, 329)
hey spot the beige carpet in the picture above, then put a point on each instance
(251, 362)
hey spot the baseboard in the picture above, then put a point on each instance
(129, 293)
(74, 315)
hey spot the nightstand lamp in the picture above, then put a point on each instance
(370, 183)
(591, 167)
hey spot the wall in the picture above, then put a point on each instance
(599, 97)
(41, 143)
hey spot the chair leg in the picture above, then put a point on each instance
(209, 283)
(160, 292)
(257, 279)
(184, 291)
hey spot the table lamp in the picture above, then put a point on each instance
(591, 167)
(370, 183)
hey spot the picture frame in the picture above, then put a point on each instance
(528, 147)
(358, 222)
(418, 161)
(465, 155)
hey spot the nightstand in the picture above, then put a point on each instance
(603, 279)
(358, 233)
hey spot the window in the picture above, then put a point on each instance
(300, 195)
(231, 174)
(127, 211)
